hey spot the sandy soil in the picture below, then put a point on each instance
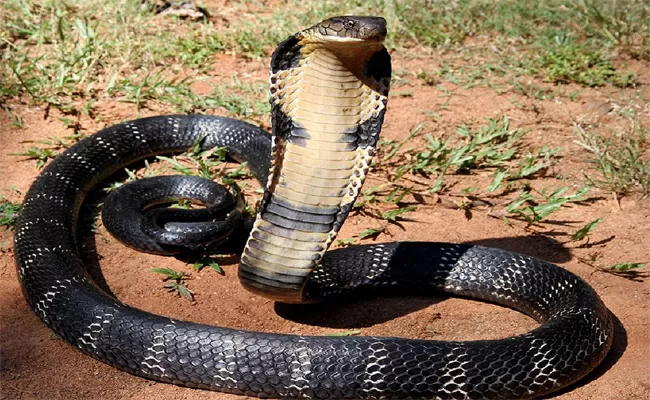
(36, 365)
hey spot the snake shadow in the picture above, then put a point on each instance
(361, 310)
(543, 247)
(87, 238)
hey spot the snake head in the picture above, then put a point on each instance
(351, 29)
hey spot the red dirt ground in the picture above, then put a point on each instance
(35, 365)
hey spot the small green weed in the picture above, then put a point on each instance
(8, 212)
(393, 215)
(208, 164)
(196, 49)
(628, 270)
(532, 91)
(177, 166)
(251, 104)
(369, 202)
(386, 193)
(205, 162)
(486, 147)
(465, 76)
(208, 262)
(535, 206)
(153, 86)
(41, 155)
(533, 162)
(16, 120)
(627, 266)
(365, 234)
(131, 176)
(353, 332)
(231, 176)
(586, 230)
(175, 282)
(52, 147)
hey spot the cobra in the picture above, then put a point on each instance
(329, 87)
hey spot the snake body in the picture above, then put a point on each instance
(576, 329)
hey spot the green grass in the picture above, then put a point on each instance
(494, 145)
(63, 53)
(565, 61)
(72, 55)
(208, 164)
(208, 261)
(535, 206)
(175, 282)
(584, 232)
(8, 213)
(560, 42)
(620, 157)
(494, 148)
(48, 149)
(353, 332)
(628, 270)
(626, 266)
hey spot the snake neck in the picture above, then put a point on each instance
(328, 103)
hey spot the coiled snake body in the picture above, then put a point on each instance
(329, 85)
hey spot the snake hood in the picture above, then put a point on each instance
(329, 89)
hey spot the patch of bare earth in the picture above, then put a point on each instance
(35, 365)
